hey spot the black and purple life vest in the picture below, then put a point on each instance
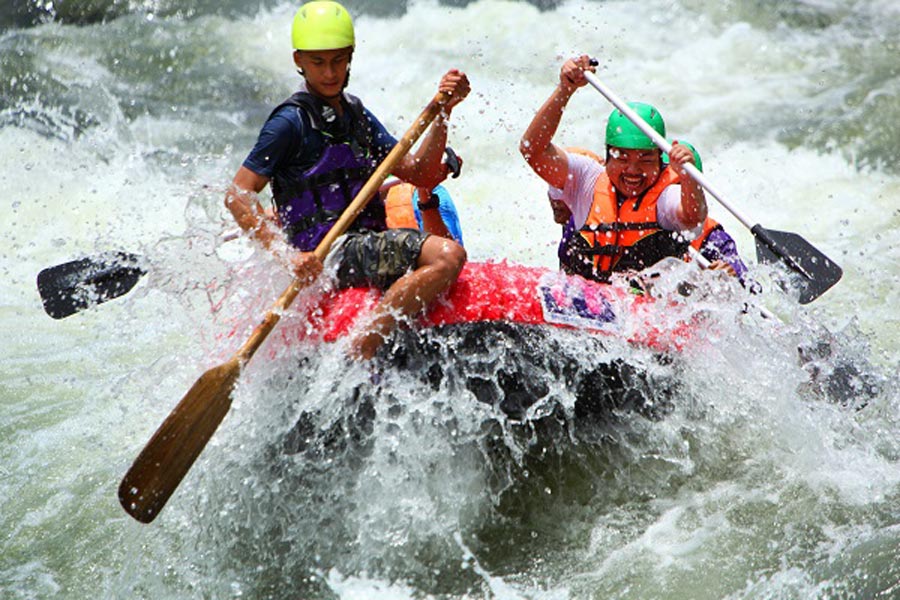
(309, 205)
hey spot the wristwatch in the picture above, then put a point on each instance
(432, 202)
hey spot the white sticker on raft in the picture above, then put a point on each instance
(577, 302)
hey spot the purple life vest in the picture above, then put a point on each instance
(309, 206)
(569, 257)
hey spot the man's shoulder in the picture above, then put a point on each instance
(582, 176)
(281, 137)
(354, 100)
(287, 125)
(583, 167)
(373, 121)
(381, 137)
(286, 116)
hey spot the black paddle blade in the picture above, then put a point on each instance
(817, 272)
(74, 286)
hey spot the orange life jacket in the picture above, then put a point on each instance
(399, 208)
(614, 231)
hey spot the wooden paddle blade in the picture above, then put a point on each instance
(818, 273)
(169, 454)
(79, 284)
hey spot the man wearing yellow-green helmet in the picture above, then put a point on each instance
(317, 149)
(629, 212)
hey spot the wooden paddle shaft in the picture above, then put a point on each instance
(366, 193)
(167, 457)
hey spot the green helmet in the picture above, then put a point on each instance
(622, 133)
(322, 25)
(697, 162)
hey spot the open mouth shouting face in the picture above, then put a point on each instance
(632, 172)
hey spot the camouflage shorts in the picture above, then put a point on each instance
(375, 259)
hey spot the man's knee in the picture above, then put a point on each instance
(446, 255)
(457, 257)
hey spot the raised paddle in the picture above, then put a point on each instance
(817, 272)
(169, 454)
(80, 284)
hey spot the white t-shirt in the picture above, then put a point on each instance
(578, 194)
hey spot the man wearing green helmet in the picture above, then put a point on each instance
(317, 149)
(629, 212)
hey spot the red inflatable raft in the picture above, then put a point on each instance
(500, 291)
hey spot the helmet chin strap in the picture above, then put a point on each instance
(349, 64)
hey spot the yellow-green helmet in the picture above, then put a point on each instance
(322, 25)
(622, 133)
